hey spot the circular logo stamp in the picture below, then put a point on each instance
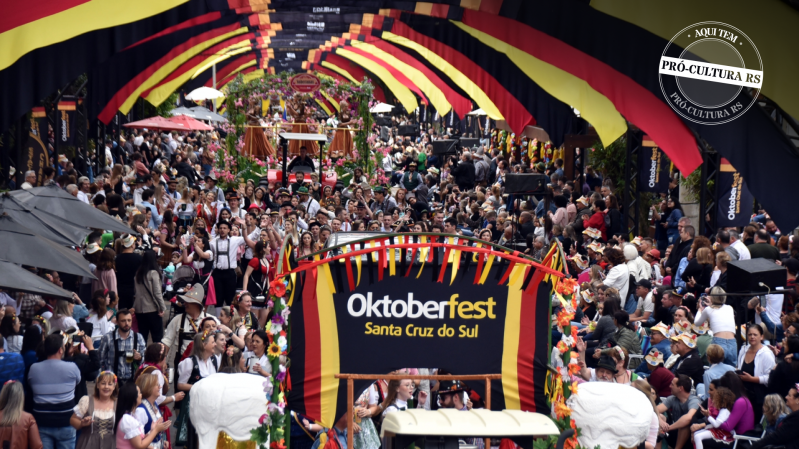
(710, 73)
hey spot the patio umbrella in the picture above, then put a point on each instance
(204, 93)
(479, 112)
(150, 123)
(201, 113)
(26, 248)
(14, 277)
(381, 108)
(188, 123)
(43, 224)
(183, 111)
(52, 199)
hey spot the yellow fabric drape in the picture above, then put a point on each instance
(403, 94)
(595, 107)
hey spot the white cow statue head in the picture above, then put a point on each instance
(229, 402)
(609, 415)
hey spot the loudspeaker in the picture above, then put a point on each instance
(469, 143)
(383, 121)
(409, 130)
(530, 183)
(444, 146)
(743, 276)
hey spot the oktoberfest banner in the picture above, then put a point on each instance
(65, 134)
(39, 123)
(478, 315)
(735, 202)
(653, 168)
(35, 157)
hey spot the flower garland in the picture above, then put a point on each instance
(272, 424)
(559, 384)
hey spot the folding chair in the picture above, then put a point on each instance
(750, 438)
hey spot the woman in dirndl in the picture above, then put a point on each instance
(342, 145)
(255, 142)
(200, 365)
(147, 412)
(94, 414)
(300, 113)
(365, 408)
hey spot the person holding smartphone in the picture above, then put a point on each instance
(721, 317)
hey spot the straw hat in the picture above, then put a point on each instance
(662, 328)
(654, 357)
(688, 339)
(596, 247)
(593, 233)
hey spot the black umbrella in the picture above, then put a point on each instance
(19, 245)
(14, 277)
(52, 199)
(42, 223)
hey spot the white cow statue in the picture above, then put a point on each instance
(229, 402)
(610, 415)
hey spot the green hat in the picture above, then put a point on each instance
(379, 189)
(302, 190)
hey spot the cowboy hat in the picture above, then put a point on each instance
(195, 295)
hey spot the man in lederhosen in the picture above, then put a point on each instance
(225, 254)
(181, 330)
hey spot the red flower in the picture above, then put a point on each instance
(277, 288)
(278, 444)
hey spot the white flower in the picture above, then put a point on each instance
(569, 340)
(274, 408)
(268, 387)
(275, 328)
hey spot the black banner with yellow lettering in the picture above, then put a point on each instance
(464, 323)
(34, 157)
(735, 202)
(653, 170)
(65, 134)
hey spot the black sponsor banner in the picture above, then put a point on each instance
(65, 134)
(735, 201)
(653, 170)
(35, 156)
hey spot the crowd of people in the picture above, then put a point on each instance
(183, 295)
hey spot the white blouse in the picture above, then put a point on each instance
(185, 367)
(130, 426)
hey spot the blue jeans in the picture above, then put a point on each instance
(730, 347)
(57, 437)
(631, 304)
